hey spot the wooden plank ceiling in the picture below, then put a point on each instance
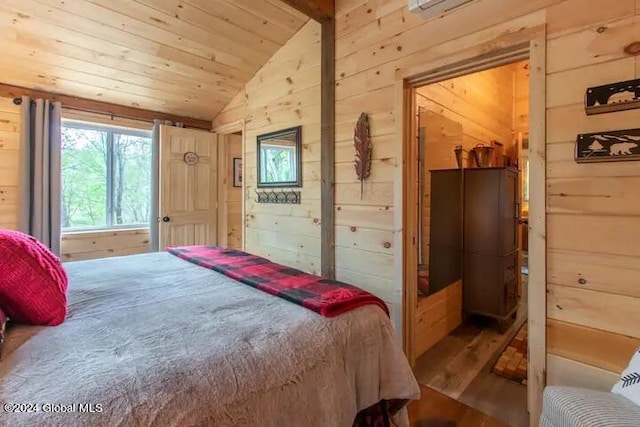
(183, 57)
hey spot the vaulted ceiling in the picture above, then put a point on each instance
(184, 57)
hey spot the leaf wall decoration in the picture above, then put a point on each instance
(362, 143)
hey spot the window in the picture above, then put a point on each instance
(106, 177)
(280, 162)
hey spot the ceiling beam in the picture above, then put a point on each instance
(83, 104)
(315, 9)
(327, 148)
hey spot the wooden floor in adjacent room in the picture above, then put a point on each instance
(459, 367)
(434, 409)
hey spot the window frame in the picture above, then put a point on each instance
(110, 131)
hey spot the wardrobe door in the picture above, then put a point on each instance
(481, 203)
(481, 291)
(509, 212)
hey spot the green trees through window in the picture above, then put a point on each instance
(106, 177)
(279, 162)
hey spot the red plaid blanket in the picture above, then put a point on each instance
(327, 297)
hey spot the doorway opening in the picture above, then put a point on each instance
(469, 327)
(231, 190)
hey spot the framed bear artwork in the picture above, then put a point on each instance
(608, 146)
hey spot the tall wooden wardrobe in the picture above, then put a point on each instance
(473, 236)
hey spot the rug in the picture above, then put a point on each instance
(512, 363)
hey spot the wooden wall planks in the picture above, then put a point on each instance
(594, 347)
(10, 122)
(103, 244)
(436, 316)
(521, 101)
(284, 93)
(599, 310)
(572, 373)
(103, 119)
(483, 103)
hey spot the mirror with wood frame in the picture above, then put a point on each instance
(279, 158)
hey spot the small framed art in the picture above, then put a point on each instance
(237, 172)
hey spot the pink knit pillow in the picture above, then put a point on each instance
(33, 283)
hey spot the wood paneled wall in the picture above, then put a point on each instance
(521, 101)
(104, 119)
(593, 210)
(436, 316)
(483, 103)
(284, 93)
(79, 246)
(10, 122)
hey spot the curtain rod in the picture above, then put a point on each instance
(18, 101)
(101, 107)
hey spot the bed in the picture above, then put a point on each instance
(155, 340)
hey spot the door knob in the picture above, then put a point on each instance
(166, 219)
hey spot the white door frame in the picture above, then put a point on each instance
(470, 57)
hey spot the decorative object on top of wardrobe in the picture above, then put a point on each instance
(482, 155)
(280, 158)
(613, 97)
(608, 146)
(498, 157)
(362, 143)
(459, 158)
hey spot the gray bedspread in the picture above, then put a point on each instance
(154, 340)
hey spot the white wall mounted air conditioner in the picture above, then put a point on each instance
(431, 8)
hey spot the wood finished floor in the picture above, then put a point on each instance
(434, 409)
(460, 365)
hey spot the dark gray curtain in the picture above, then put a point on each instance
(154, 226)
(40, 168)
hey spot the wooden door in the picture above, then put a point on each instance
(188, 187)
